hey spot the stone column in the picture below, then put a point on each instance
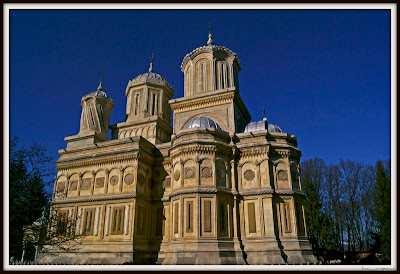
(66, 186)
(198, 162)
(121, 175)
(79, 184)
(106, 181)
(92, 183)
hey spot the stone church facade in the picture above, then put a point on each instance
(212, 189)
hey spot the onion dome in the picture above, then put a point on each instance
(202, 122)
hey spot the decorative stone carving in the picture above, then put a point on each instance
(60, 186)
(99, 182)
(206, 172)
(129, 179)
(249, 175)
(114, 180)
(86, 183)
(282, 175)
(189, 172)
(177, 175)
(73, 185)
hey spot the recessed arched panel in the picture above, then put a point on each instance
(113, 181)
(129, 179)
(73, 185)
(249, 172)
(282, 176)
(264, 173)
(61, 184)
(189, 173)
(203, 76)
(206, 172)
(294, 176)
(221, 173)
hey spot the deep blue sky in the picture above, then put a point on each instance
(322, 75)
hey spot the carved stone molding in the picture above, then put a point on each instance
(93, 199)
(257, 192)
(202, 102)
(100, 161)
(198, 190)
(254, 151)
(289, 192)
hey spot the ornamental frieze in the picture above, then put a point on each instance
(203, 102)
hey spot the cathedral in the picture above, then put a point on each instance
(213, 188)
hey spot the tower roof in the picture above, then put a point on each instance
(210, 47)
(99, 92)
(149, 77)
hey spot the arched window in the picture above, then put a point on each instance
(203, 76)
(137, 104)
(188, 82)
(154, 109)
(223, 75)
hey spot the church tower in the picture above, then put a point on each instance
(148, 113)
(95, 118)
(211, 89)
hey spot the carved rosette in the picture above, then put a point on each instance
(249, 175)
(114, 180)
(128, 179)
(206, 172)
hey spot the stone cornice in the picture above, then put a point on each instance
(199, 190)
(201, 102)
(256, 192)
(210, 49)
(205, 148)
(254, 151)
(290, 192)
(93, 199)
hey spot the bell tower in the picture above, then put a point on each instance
(95, 118)
(211, 89)
(148, 113)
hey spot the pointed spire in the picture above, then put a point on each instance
(100, 87)
(265, 117)
(151, 63)
(210, 41)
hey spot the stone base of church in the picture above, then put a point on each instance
(85, 258)
(297, 251)
(263, 251)
(203, 253)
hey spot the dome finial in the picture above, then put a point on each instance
(210, 41)
(265, 117)
(100, 87)
(151, 63)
